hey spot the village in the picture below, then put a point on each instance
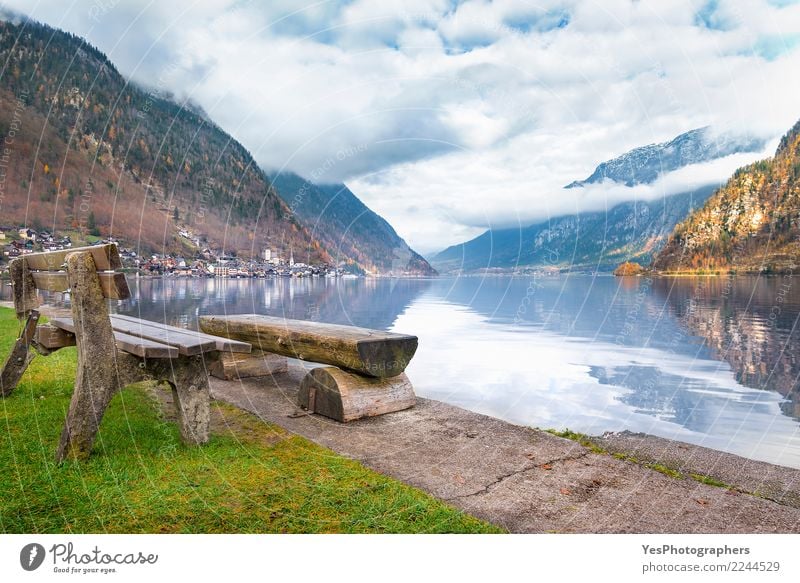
(207, 262)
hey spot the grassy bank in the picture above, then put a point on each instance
(252, 477)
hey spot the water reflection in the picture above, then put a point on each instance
(369, 302)
(598, 353)
(751, 323)
(711, 361)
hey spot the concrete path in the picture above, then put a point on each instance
(520, 478)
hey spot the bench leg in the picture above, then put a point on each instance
(97, 379)
(93, 392)
(21, 356)
(189, 381)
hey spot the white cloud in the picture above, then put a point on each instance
(466, 115)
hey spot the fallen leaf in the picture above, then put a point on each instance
(459, 479)
(702, 502)
(565, 491)
(546, 467)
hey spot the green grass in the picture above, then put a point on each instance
(251, 478)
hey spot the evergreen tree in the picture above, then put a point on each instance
(91, 224)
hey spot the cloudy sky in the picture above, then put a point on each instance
(450, 117)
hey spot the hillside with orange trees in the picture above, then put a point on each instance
(84, 149)
(750, 225)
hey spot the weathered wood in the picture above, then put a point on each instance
(187, 343)
(344, 396)
(128, 343)
(187, 377)
(371, 352)
(106, 258)
(113, 285)
(144, 347)
(108, 358)
(53, 338)
(189, 381)
(234, 366)
(223, 344)
(23, 288)
(96, 381)
(20, 357)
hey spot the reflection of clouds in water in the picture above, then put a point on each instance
(539, 378)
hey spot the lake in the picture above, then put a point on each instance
(712, 361)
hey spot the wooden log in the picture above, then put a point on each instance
(106, 258)
(96, 381)
(344, 396)
(234, 366)
(23, 288)
(114, 285)
(20, 357)
(370, 352)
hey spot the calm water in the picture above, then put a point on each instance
(711, 361)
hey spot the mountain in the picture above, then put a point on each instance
(604, 239)
(353, 234)
(86, 150)
(593, 241)
(645, 164)
(751, 224)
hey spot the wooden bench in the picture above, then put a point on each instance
(367, 377)
(113, 351)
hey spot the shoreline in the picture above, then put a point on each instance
(528, 480)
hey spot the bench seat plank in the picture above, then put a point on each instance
(370, 352)
(223, 344)
(131, 344)
(187, 343)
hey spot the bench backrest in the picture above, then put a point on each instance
(47, 271)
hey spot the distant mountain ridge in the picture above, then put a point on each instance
(589, 241)
(751, 224)
(601, 240)
(645, 164)
(353, 234)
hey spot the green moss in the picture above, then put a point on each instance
(252, 477)
(666, 470)
(588, 443)
(710, 481)
(581, 438)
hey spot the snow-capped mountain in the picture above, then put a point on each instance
(645, 164)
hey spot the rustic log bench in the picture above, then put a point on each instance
(113, 351)
(367, 377)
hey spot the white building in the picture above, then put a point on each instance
(267, 254)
